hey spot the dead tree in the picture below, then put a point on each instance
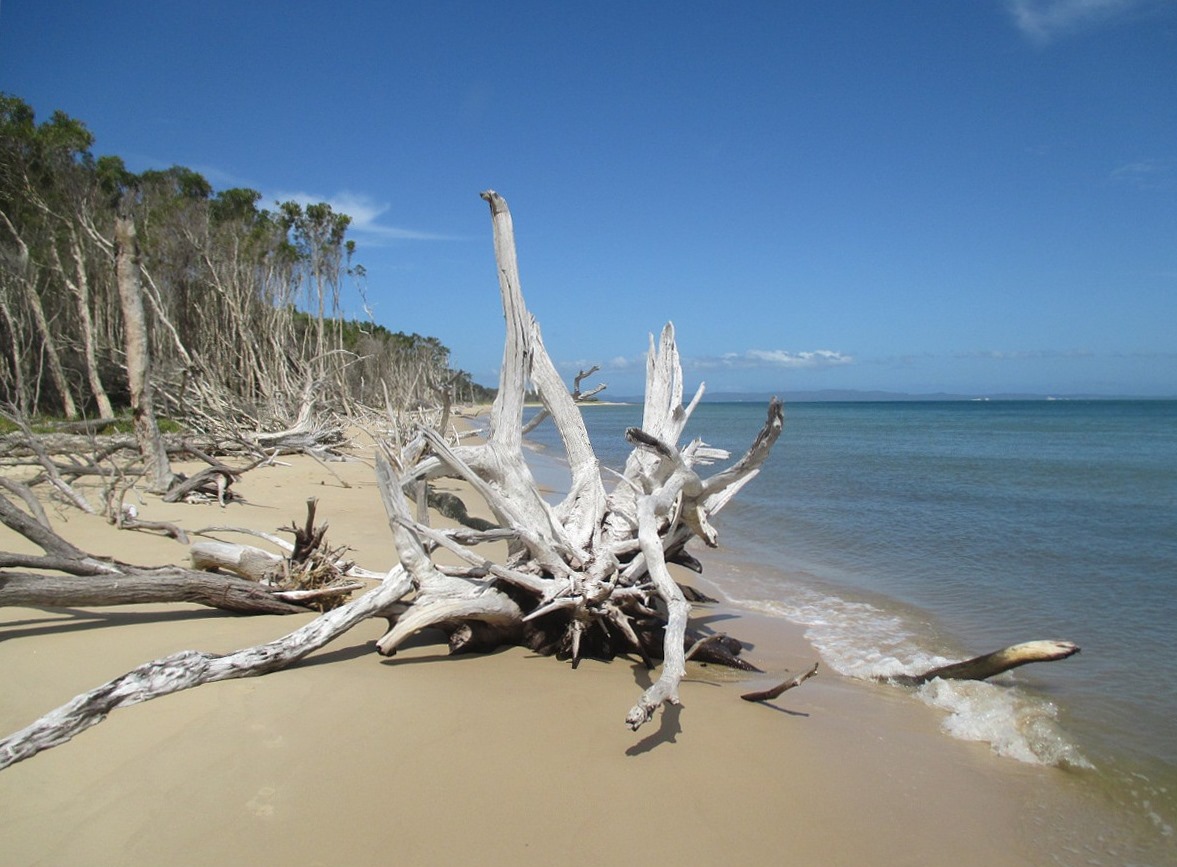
(155, 456)
(587, 576)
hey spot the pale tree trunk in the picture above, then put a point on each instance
(49, 344)
(79, 286)
(16, 334)
(155, 456)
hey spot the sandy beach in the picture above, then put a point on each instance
(507, 758)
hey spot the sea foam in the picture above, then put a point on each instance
(863, 641)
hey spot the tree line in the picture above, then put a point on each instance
(243, 304)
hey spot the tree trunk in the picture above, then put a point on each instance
(48, 342)
(155, 457)
(95, 581)
(138, 586)
(79, 286)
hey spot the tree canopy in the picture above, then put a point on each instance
(244, 304)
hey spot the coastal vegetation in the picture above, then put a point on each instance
(242, 304)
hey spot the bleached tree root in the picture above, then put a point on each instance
(983, 667)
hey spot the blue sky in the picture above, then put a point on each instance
(975, 196)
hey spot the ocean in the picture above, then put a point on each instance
(902, 535)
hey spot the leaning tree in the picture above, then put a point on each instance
(586, 576)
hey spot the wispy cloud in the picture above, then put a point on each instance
(365, 213)
(1025, 354)
(768, 359)
(1044, 21)
(1144, 174)
(784, 358)
(617, 362)
(749, 359)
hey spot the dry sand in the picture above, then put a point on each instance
(507, 758)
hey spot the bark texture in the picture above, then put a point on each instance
(155, 456)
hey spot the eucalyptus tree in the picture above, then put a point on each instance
(243, 312)
(46, 225)
(318, 235)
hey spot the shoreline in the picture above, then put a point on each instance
(507, 757)
(1119, 807)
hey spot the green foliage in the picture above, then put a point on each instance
(243, 303)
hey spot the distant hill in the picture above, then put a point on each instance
(855, 396)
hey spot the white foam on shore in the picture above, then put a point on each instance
(861, 640)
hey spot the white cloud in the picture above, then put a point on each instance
(365, 213)
(617, 362)
(769, 358)
(1044, 20)
(814, 358)
(1144, 174)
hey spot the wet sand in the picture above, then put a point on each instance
(507, 758)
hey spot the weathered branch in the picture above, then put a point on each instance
(982, 667)
(137, 586)
(191, 668)
(36, 532)
(441, 598)
(30, 500)
(781, 688)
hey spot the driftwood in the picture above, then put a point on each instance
(94, 581)
(588, 576)
(130, 585)
(781, 688)
(191, 668)
(52, 473)
(577, 395)
(977, 668)
(983, 667)
(126, 518)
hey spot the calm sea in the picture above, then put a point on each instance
(902, 535)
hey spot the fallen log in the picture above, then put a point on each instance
(990, 664)
(96, 581)
(136, 586)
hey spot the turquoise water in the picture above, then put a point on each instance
(904, 534)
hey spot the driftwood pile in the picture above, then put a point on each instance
(587, 576)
